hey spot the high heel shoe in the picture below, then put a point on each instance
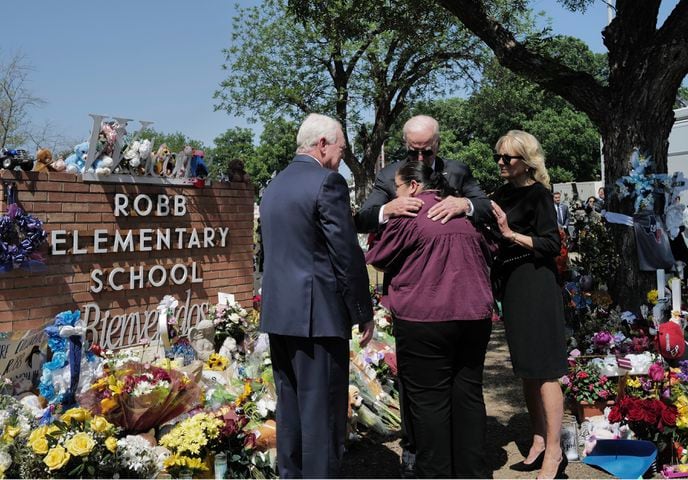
(563, 463)
(529, 467)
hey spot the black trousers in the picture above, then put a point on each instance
(441, 367)
(312, 382)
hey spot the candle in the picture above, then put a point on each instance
(676, 295)
(661, 282)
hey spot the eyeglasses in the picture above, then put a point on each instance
(505, 158)
(399, 185)
(415, 153)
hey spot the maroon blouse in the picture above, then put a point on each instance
(439, 271)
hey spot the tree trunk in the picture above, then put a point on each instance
(647, 128)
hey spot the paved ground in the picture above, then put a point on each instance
(508, 428)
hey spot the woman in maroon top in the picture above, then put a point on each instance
(441, 300)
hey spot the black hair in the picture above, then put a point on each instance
(423, 174)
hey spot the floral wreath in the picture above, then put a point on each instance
(21, 235)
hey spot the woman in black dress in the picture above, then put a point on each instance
(531, 298)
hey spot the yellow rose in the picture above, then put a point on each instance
(111, 444)
(39, 445)
(78, 414)
(10, 433)
(100, 424)
(80, 444)
(56, 458)
(38, 433)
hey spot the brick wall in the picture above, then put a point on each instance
(64, 202)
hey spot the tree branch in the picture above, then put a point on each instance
(579, 88)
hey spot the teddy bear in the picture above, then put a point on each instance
(236, 171)
(161, 158)
(103, 166)
(44, 162)
(76, 161)
(134, 156)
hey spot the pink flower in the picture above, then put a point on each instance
(656, 372)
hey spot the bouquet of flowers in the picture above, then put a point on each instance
(140, 396)
(78, 445)
(15, 424)
(231, 322)
(584, 383)
(137, 458)
(649, 418)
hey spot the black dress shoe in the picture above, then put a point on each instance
(562, 466)
(529, 467)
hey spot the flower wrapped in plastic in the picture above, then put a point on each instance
(138, 397)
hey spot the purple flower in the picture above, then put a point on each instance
(602, 338)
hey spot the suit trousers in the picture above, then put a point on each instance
(312, 382)
(441, 367)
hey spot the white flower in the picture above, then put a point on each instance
(5, 461)
(235, 318)
(264, 406)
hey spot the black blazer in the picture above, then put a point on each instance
(315, 282)
(458, 175)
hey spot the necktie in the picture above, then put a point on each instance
(560, 217)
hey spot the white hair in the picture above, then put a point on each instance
(422, 124)
(315, 127)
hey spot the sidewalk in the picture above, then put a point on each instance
(508, 428)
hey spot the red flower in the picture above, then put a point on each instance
(615, 415)
(669, 415)
(582, 375)
(636, 413)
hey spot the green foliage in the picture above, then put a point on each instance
(175, 141)
(585, 384)
(597, 255)
(276, 150)
(235, 143)
(478, 156)
(350, 59)
(570, 142)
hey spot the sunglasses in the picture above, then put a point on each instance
(415, 153)
(507, 159)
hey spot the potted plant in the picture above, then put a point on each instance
(590, 390)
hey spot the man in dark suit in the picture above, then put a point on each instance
(562, 212)
(315, 288)
(422, 138)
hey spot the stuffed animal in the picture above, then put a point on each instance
(44, 160)
(197, 167)
(236, 171)
(59, 164)
(160, 159)
(355, 402)
(103, 165)
(75, 162)
(145, 149)
(181, 164)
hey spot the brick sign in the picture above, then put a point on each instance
(115, 250)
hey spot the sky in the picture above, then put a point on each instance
(157, 60)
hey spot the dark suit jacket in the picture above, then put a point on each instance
(315, 282)
(458, 175)
(564, 215)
